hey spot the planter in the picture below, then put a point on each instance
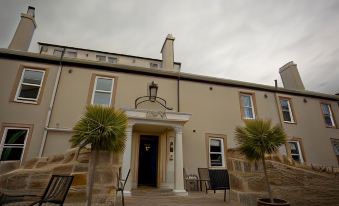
(276, 202)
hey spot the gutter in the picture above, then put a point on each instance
(51, 105)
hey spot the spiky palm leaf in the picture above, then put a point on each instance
(102, 127)
(258, 138)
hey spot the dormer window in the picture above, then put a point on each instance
(101, 58)
(154, 65)
(72, 54)
(113, 60)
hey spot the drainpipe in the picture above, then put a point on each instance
(49, 113)
(178, 90)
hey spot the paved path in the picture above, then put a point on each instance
(194, 198)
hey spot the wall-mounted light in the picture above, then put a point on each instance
(153, 90)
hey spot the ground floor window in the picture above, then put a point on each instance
(13, 143)
(216, 151)
(295, 151)
(335, 144)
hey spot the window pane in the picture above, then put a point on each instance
(287, 116)
(113, 60)
(246, 100)
(248, 113)
(102, 98)
(11, 154)
(294, 148)
(215, 145)
(216, 159)
(57, 52)
(104, 84)
(15, 136)
(32, 77)
(28, 91)
(284, 104)
(101, 58)
(328, 121)
(71, 54)
(326, 109)
(296, 158)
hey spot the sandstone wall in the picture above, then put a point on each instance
(33, 176)
(295, 183)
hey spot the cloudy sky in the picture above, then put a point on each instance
(241, 40)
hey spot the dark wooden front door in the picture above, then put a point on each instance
(148, 159)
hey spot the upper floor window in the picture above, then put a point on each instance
(295, 150)
(286, 109)
(13, 143)
(216, 152)
(328, 115)
(154, 65)
(101, 58)
(57, 52)
(72, 54)
(30, 84)
(335, 144)
(103, 90)
(113, 60)
(247, 106)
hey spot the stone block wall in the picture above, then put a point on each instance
(33, 176)
(295, 183)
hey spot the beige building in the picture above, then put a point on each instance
(189, 123)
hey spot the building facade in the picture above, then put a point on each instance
(189, 123)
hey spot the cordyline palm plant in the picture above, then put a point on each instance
(104, 129)
(258, 138)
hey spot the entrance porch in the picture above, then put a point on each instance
(154, 150)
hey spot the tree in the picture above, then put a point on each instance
(258, 138)
(104, 129)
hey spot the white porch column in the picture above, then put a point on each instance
(178, 162)
(126, 162)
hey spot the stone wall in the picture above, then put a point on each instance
(32, 177)
(295, 183)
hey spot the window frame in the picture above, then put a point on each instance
(300, 145)
(334, 124)
(223, 139)
(334, 142)
(98, 56)
(18, 83)
(92, 88)
(4, 129)
(290, 110)
(253, 104)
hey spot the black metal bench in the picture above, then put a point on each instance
(218, 180)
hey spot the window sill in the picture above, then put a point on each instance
(24, 102)
(290, 122)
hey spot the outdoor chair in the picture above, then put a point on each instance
(55, 192)
(121, 185)
(219, 180)
(203, 178)
(191, 182)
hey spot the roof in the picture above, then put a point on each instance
(90, 50)
(22, 55)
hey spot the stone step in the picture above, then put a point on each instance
(154, 192)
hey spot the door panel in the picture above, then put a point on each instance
(148, 160)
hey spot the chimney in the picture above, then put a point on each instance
(291, 77)
(167, 52)
(24, 32)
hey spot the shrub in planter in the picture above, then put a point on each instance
(257, 138)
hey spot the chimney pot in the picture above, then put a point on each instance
(31, 11)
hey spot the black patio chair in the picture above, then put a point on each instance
(203, 178)
(121, 185)
(219, 180)
(55, 192)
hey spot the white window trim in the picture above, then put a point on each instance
(222, 151)
(252, 106)
(289, 110)
(103, 91)
(29, 100)
(331, 114)
(299, 149)
(14, 145)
